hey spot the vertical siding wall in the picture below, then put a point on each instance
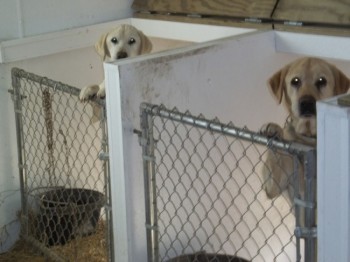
(24, 18)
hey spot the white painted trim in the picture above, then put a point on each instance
(116, 163)
(186, 31)
(334, 47)
(333, 181)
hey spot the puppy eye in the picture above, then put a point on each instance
(114, 40)
(321, 82)
(132, 41)
(295, 82)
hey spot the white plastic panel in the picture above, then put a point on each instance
(23, 18)
(116, 145)
(333, 174)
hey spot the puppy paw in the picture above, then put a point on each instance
(272, 130)
(88, 92)
(101, 93)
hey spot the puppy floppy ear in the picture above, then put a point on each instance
(101, 47)
(277, 83)
(342, 83)
(146, 44)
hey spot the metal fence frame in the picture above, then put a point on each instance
(306, 154)
(55, 86)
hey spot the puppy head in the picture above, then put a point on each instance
(303, 82)
(122, 42)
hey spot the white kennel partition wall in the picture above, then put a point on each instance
(224, 78)
(333, 175)
(130, 244)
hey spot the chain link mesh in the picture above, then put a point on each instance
(207, 192)
(63, 182)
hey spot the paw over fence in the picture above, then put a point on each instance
(64, 184)
(204, 196)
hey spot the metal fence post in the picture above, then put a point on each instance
(310, 209)
(104, 156)
(297, 207)
(147, 143)
(17, 99)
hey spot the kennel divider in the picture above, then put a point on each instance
(304, 153)
(66, 205)
(333, 166)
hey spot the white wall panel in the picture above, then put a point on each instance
(9, 19)
(333, 172)
(23, 18)
(42, 16)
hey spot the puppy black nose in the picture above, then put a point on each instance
(121, 55)
(307, 106)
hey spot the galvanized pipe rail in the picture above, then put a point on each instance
(229, 130)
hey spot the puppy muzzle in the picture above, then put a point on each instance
(307, 106)
(122, 55)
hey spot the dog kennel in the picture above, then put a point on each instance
(218, 74)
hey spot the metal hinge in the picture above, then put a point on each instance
(12, 92)
(194, 15)
(253, 20)
(142, 141)
(302, 203)
(104, 156)
(293, 23)
(144, 12)
(303, 232)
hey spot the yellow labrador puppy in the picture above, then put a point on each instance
(121, 42)
(298, 86)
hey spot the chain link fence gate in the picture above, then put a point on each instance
(64, 184)
(204, 196)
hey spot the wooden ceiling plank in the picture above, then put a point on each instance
(322, 11)
(234, 8)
